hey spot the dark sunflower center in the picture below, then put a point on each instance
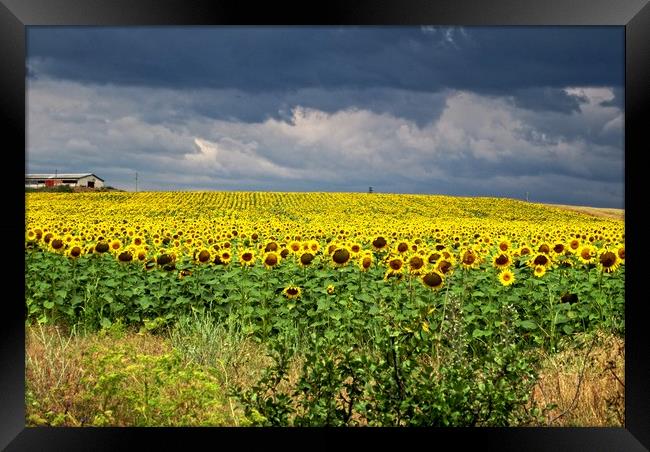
(292, 291)
(164, 259)
(525, 251)
(306, 258)
(101, 247)
(395, 264)
(468, 258)
(57, 244)
(434, 257)
(204, 256)
(558, 248)
(416, 263)
(75, 251)
(341, 256)
(432, 279)
(585, 254)
(621, 253)
(402, 247)
(271, 260)
(502, 260)
(607, 259)
(379, 242)
(540, 260)
(125, 256)
(247, 257)
(271, 247)
(444, 266)
(366, 262)
(544, 248)
(574, 244)
(503, 246)
(506, 277)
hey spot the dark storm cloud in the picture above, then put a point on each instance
(262, 59)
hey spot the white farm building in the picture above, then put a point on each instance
(72, 179)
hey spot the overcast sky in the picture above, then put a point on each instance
(464, 111)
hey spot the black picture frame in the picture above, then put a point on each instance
(16, 15)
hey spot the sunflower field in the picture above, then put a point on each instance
(402, 309)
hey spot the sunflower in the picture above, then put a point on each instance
(115, 245)
(126, 255)
(416, 264)
(306, 259)
(469, 258)
(506, 277)
(608, 261)
(501, 261)
(331, 289)
(57, 244)
(74, 251)
(540, 259)
(271, 259)
(314, 246)
(620, 251)
(165, 259)
(433, 280)
(544, 248)
(225, 257)
(504, 244)
(445, 266)
(402, 247)
(30, 236)
(586, 254)
(524, 250)
(203, 256)
(365, 262)
(433, 257)
(247, 258)
(355, 249)
(292, 292)
(341, 256)
(558, 248)
(395, 265)
(141, 254)
(379, 243)
(294, 246)
(271, 246)
(574, 245)
(539, 271)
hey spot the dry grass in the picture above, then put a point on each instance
(55, 365)
(587, 385)
(601, 212)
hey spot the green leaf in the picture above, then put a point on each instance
(527, 324)
(105, 323)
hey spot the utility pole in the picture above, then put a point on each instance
(136, 181)
(369, 189)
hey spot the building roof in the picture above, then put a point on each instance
(61, 176)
